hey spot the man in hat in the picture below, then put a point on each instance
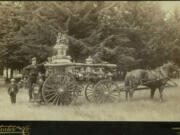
(12, 91)
(32, 71)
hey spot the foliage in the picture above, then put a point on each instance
(129, 34)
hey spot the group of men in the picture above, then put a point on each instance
(34, 73)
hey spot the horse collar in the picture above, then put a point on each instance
(161, 72)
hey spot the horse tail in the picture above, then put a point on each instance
(126, 81)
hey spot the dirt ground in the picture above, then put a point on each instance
(141, 108)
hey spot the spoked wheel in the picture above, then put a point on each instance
(59, 89)
(106, 91)
(89, 92)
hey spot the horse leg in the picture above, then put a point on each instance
(152, 92)
(127, 92)
(127, 95)
(131, 92)
(161, 93)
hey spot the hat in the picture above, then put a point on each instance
(34, 59)
(12, 80)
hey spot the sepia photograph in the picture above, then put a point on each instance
(90, 60)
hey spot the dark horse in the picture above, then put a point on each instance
(153, 79)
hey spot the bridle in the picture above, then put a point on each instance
(166, 78)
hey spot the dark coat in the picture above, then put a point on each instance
(13, 89)
(32, 71)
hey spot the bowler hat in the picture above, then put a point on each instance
(12, 80)
(34, 59)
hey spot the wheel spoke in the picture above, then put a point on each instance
(99, 88)
(103, 86)
(99, 97)
(102, 98)
(70, 86)
(52, 90)
(48, 87)
(89, 92)
(57, 103)
(47, 95)
(55, 98)
(51, 98)
(64, 81)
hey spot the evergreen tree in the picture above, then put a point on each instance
(129, 34)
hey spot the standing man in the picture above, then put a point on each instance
(32, 71)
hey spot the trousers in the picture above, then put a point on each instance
(30, 90)
(13, 98)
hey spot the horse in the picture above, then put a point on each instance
(153, 79)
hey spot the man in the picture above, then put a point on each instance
(40, 81)
(32, 71)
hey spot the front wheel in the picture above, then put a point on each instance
(106, 91)
(89, 92)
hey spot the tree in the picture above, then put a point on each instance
(129, 34)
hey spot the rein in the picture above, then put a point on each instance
(159, 75)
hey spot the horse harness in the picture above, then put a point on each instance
(164, 78)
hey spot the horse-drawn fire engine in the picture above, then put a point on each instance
(66, 80)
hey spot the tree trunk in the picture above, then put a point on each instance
(1, 70)
(11, 73)
(7, 73)
(6, 76)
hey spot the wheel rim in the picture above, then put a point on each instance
(89, 92)
(59, 89)
(106, 91)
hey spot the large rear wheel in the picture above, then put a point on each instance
(60, 89)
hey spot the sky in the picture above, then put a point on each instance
(169, 5)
